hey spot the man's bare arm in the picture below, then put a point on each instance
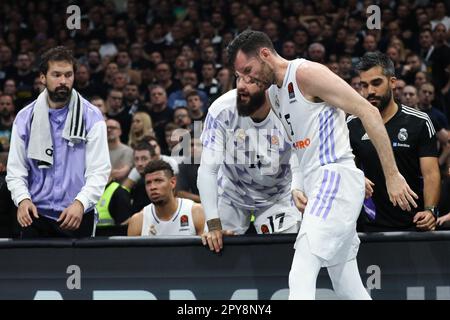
(316, 80)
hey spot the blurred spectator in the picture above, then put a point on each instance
(182, 118)
(355, 82)
(141, 126)
(6, 63)
(410, 97)
(117, 111)
(398, 90)
(440, 123)
(120, 80)
(124, 64)
(7, 116)
(189, 82)
(440, 56)
(172, 137)
(83, 83)
(195, 106)
(131, 98)
(288, 50)
(187, 178)
(316, 52)
(24, 77)
(120, 154)
(345, 67)
(209, 84)
(159, 112)
(163, 75)
(420, 78)
(143, 153)
(413, 65)
(100, 103)
(440, 15)
(226, 80)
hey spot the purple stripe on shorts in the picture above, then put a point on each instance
(318, 196)
(333, 195)
(326, 194)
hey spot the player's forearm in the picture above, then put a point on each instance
(377, 133)
(431, 188)
(207, 187)
(189, 195)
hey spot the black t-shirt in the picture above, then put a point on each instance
(120, 206)
(139, 197)
(412, 135)
(187, 178)
(124, 118)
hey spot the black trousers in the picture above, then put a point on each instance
(48, 228)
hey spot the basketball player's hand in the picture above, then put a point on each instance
(400, 193)
(425, 221)
(214, 239)
(300, 200)
(23, 213)
(441, 220)
(71, 216)
(369, 188)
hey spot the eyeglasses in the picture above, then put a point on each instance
(247, 79)
(112, 128)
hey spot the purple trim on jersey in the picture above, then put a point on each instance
(326, 194)
(331, 136)
(180, 204)
(324, 182)
(321, 135)
(333, 195)
(326, 135)
(154, 214)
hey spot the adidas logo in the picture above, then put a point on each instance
(365, 137)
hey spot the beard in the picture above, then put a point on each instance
(254, 103)
(381, 102)
(60, 94)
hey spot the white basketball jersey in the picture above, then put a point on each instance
(318, 131)
(255, 170)
(181, 223)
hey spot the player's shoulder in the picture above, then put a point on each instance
(415, 116)
(224, 104)
(353, 121)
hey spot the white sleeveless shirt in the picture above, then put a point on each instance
(180, 224)
(318, 131)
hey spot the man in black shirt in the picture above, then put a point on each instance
(414, 143)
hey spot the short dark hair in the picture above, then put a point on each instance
(192, 93)
(249, 42)
(159, 165)
(145, 146)
(60, 53)
(376, 59)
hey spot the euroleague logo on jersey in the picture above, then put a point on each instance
(184, 221)
(265, 229)
(291, 91)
